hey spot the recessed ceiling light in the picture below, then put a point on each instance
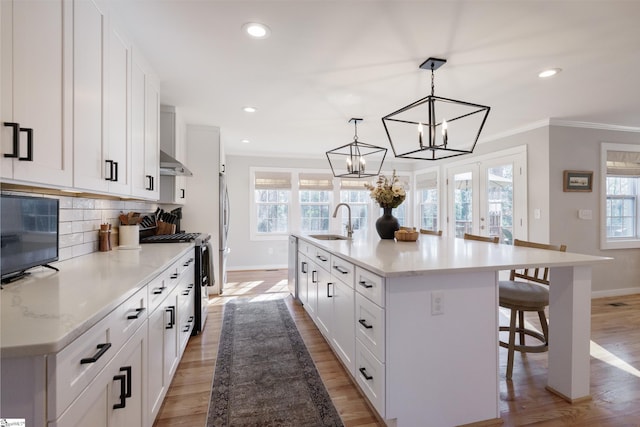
(245, 141)
(249, 109)
(548, 73)
(256, 30)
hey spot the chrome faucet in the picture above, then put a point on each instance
(349, 228)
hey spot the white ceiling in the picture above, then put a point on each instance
(327, 61)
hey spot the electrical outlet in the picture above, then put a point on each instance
(437, 303)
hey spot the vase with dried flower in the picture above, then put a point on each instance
(389, 193)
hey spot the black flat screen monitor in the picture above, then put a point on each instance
(28, 234)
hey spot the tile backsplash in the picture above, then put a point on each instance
(81, 216)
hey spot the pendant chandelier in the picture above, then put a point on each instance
(433, 127)
(356, 159)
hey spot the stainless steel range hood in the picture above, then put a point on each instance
(170, 166)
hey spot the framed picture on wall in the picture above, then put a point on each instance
(578, 181)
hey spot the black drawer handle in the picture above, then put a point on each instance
(186, 328)
(110, 163)
(182, 193)
(187, 292)
(304, 267)
(29, 157)
(172, 319)
(102, 349)
(15, 138)
(190, 319)
(314, 276)
(174, 276)
(367, 377)
(127, 370)
(139, 311)
(190, 286)
(363, 322)
(158, 291)
(115, 167)
(322, 258)
(363, 283)
(328, 294)
(150, 187)
(123, 391)
(341, 270)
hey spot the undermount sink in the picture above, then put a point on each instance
(328, 237)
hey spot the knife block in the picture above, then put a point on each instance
(165, 228)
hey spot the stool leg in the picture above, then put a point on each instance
(545, 326)
(512, 343)
(521, 323)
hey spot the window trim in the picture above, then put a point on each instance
(606, 242)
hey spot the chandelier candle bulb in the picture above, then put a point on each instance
(420, 135)
(445, 135)
(349, 165)
(362, 163)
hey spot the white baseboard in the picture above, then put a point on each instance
(259, 267)
(615, 293)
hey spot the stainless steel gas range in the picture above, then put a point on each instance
(203, 269)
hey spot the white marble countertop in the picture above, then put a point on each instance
(390, 258)
(46, 311)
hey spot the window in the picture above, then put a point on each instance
(272, 192)
(315, 192)
(354, 193)
(427, 198)
(621, 183)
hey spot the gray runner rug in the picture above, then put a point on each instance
(264, 374)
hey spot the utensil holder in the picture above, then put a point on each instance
(129, 237)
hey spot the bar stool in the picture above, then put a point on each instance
(432, 232)
(530, 293)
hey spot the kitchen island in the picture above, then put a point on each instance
(426, 348)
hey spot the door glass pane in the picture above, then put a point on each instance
(499, 216)
(463, 197)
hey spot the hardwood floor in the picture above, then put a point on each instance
(615, 367)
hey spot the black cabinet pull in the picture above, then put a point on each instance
(123, 391)
(186, 328)
(115, 167)
(174, 276)
(363, 283)
(15, 138)
(150, 187)
(314, 276)
(223, 168)
(363, 371)
(139, 311)
(158, 291)
(340, 269)
(190, 319)
(172, 319)
(328, 294)
(29, 157)
(127, 371)
(182, 192)
(190, 286)
(304, 267)
(322, 258)
(102, 349)
(186, 292)
(363, 322)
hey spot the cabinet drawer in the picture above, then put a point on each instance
(370, 375)
(370, 285)
(73, 368)
(343, 270)
(180, 268)
(128, 317)
(157, 291)
(370, 326)
(304, 247)
(320, 257)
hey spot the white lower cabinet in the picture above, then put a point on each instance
(343, 336)
(303, 277)
(116, 397)
(347, 305)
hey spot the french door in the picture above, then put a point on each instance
(488, 197)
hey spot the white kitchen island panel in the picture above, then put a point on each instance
(442, 368)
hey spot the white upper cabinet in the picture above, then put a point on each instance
(145, 134)
(36, 83)
(101, 78)
(173, 134)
